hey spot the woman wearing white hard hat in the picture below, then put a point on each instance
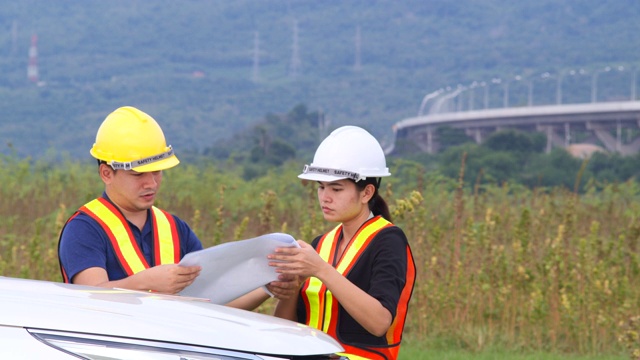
(358, 277)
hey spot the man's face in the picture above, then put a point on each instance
(130, 190)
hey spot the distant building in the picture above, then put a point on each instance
(584, 151)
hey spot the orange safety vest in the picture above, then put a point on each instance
(165, 236)
(321, 307)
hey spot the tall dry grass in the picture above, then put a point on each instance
(543, 269)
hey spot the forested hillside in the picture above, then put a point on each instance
(207, 70)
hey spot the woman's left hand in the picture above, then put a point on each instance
(303, 261)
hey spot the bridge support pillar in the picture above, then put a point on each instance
(430, 149)
(475, 133)
(611, 143)
(553, 139)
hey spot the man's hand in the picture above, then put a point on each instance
(170, 278)
(167, 279)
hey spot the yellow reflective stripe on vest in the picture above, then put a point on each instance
(123, 241)
(354, 248)
(314, 302)
(127, 246)
(328, 306)
(313, 291)
(165, 236)
(352, 356)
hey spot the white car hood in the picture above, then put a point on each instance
(66, 307)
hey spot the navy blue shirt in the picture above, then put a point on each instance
(84, 244)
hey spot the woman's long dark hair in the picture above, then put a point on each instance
(377, 205)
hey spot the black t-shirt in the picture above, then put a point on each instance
(380, 272)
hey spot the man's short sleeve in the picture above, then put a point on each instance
(82, 245)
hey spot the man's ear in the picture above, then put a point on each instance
(106, 173)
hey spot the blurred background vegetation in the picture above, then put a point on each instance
(502, 268)
(190, 64)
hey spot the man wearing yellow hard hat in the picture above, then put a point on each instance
(120, 240)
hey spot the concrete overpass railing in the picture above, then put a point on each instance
(602, 124)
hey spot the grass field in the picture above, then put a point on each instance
(426, 354)
(415, 350)
(548, 272)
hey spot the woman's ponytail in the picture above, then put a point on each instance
(377, 204)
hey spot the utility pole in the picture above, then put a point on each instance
(295, 56)
(32, 68)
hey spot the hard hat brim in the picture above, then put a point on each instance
(159, 165)
(321, 177)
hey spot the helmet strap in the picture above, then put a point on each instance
(334, 172)
(115, 165)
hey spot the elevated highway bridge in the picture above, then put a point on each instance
(614, 126)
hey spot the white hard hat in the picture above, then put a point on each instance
(349, 152)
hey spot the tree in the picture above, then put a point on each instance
(517, 141)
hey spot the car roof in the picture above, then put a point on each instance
(151, 316)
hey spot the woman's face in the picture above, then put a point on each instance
(341, 201)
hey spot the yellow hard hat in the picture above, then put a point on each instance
(130, 139)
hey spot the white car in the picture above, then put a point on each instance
(49, 320)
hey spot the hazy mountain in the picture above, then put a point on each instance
(207, 69)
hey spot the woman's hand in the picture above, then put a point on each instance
(302, 262)
(286, 287)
